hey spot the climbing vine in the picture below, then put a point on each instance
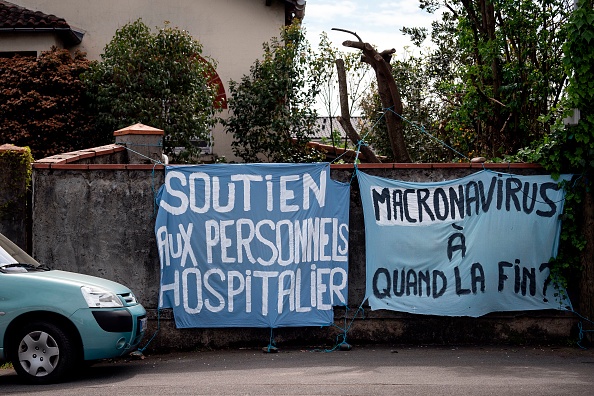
(570, 149)
(16, 170)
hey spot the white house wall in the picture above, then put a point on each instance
(30, 42)
(231, 31)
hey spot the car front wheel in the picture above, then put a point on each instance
(44, 353)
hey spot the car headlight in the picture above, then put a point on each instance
(97, 297)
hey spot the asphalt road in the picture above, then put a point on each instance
(377, 370)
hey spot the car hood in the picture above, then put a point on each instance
(72, 278)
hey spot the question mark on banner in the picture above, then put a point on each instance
(542, 267)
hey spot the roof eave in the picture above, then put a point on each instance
(70, 36)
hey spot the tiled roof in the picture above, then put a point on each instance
(14, 18)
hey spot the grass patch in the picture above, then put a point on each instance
(6, 365)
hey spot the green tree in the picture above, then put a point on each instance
(272, 115)
(497, 67)
(570, 149)
(42, 103)
(421, 109)
(159, 79)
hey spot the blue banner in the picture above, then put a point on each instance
(252, 245)
(463, 247)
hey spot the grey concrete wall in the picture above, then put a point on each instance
(101, 222)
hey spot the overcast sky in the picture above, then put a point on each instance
(377, 22)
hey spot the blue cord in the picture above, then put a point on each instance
(422, 129)
(271, 343)
(156, 331)
(582, 332)
(341, 339)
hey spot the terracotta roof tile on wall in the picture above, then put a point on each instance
(13, 16)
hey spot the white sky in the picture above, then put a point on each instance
(377, 22)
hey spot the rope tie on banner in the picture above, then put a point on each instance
(422, 129)
(153, 189)
(141, 350)
(341, 338)
(362, 142)
(582, 332)
(271, 348)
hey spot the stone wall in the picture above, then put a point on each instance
(99, 219)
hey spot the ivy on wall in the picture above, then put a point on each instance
(15, 165)
(570, 149)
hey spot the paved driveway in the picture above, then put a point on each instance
(365, 370)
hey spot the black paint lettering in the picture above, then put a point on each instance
(472, 198)
(385, 292)
(502, 277)
(499, 193)
(399, 293)
(528, 207)
(444, 283)
(529, 279)
(542, 267)
(459, 290)
(457, 201)
(411, 282)
(422, 196)
(511, 193)
(383, 198)
(397, 202)
(460, 246)
(486, 201)
(439, 193)
(406, 214)
(517, 279)
(426, 278)
(544, 187)
(477, 275)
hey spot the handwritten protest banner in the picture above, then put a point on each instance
(463, 247)
(252, 245)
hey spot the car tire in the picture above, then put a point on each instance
(43, 353)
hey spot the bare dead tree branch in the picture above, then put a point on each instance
(389, 95)
(348, 31)
(345, 116)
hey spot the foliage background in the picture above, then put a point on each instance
(42, 103)
(159, 79)
(272, 115)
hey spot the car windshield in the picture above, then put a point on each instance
(11, 254)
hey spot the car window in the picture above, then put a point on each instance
(5, 258)
(11, 253)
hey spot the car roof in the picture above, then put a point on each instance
(8, 250)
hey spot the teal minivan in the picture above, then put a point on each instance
(51, 321)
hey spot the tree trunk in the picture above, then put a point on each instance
(345, 118)
(389, 95)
